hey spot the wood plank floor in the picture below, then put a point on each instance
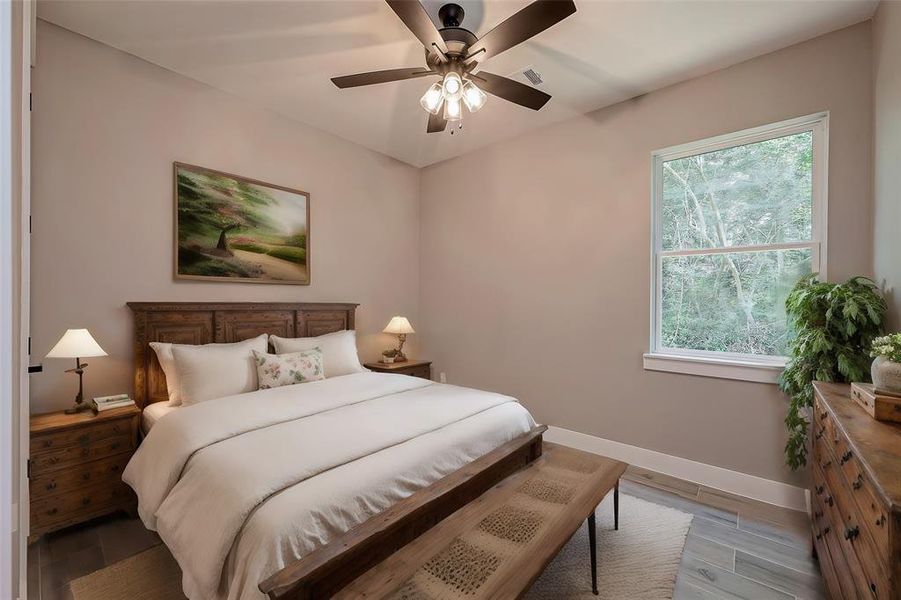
(736, 547)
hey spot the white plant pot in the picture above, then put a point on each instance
(886, 375)
(387, 359)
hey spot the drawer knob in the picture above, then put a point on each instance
(880, 521)
(85, 476)
(53, 460)
(51, 486)
(819, 490)
(852, 532)
(823, 415)
(52, 511)
(830, 501)
(821, 432)
(858, 483)
(846, 457)
(48, 443)
(817, 514)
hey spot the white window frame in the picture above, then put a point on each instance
(727, 365)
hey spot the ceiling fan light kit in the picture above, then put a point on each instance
(453, 53)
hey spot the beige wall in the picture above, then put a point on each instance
(107, 127)
(535, 255)
(887, 155)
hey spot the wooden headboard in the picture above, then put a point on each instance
(207, 322)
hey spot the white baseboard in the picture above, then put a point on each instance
(750, 486)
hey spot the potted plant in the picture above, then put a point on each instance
(389, 355)
(886, 368)
(835, 325)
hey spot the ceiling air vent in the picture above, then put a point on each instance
(533, 76)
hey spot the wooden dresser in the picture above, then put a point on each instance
(76, 465)
(856, 497)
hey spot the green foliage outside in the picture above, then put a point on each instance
(835, 325)
(752, 195)
(231, 228)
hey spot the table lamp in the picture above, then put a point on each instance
(77, 344)
(399, 326)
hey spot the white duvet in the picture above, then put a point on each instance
(238, 487)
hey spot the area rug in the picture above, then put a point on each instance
(640, 561)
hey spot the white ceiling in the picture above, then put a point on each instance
(280, 55)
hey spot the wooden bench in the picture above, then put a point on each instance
(498, 545)
(535, 494)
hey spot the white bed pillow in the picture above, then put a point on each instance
(339, 350)
(217, 370)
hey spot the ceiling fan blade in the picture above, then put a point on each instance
(436, 123)
(528, 22)
(511, 91)
(417, 20)
(374, 77)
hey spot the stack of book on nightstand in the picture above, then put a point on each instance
(110, 402)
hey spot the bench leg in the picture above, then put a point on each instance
(616, 507)
(592, 540)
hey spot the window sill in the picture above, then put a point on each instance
(764, 371)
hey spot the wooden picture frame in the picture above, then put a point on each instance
(263, 228)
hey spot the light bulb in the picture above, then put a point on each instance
(452, 110)
(431, 100)
(452, 85)
(473, 97)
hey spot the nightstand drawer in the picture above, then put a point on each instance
(59, 458)
(98, 471)
(80, 436)
(425, 372)
(73, 505)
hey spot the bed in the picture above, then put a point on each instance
(240, 488)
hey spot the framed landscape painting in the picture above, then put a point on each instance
(230, 228)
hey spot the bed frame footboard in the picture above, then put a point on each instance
(328, 569)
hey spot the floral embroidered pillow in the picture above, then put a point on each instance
(276, 370)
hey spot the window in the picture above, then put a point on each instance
(737, 220)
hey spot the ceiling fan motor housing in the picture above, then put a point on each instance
(455, 37)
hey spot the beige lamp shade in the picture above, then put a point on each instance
(399, 325)
(76, 343)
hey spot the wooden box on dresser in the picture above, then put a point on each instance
(856, 497)
(76, 464)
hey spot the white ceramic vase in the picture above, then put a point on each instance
(886, 375)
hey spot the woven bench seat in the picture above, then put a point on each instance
(498, 544)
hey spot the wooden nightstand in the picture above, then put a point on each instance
(76, 465)
(414, 368)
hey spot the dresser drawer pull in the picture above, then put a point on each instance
(53, 460)
(817, 514)
(821, 432)
(880, 521)
(825, 532)
(823, 415)
(48, 443)
(830, 501)
(852, 532)
(52, 511)
(846, 457)
(51, 486)
(872, 587)
(858, 483)
(819, 490)
(85, 476)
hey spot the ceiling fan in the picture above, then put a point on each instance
(453, 53)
